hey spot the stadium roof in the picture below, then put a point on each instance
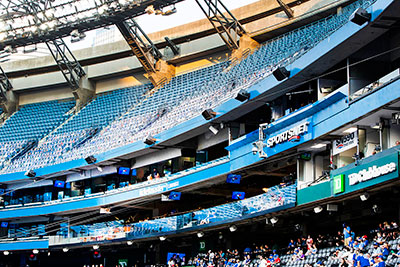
(26, 22)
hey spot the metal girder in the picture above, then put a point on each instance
(5, 85)
(82, 15)
(227, 26)
(67, 63)
(288, 11)
(141, 45)
(16, 8)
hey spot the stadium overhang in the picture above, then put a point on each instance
(32, 22)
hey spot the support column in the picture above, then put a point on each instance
(159, 72)
(9, 103)
(76, 77)
(229, 29)
(84, 93)
(8, 98)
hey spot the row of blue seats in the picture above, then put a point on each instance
(128, 115)
(33, 121)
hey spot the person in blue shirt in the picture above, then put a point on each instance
(379, 262)
(362, 260)
(385, 251)
(364, 242)
(377, 250)
(274, 255)
(346, 234)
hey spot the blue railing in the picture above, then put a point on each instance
(276, 198)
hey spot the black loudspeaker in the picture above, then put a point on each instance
(360, 16)
(30, 173)
(150, 140)
(281, 73)
(90, 159)
(208, 114)
(242, 96)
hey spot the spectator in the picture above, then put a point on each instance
(385, 251)
(155, 174)
(346, 234)
(263, 262)
(377, 250)
(379, 261)
(309, 242)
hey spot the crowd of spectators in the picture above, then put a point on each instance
(378, 248)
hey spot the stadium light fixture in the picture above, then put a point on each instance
(318, 209)
(6, 252)
(200, 234)
(213, 130)
(129, 243)
(364, 196)
(99, 168)
(274, 220)
(33, 21)
(65, 249)
(95, 247)
(162, 238)
(317, 146)
(220, 236)
(254, 149)
(233, 228)
(350, 130)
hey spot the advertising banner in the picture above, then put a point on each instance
(345, 143)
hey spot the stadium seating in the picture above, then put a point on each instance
(128, 115)
(28, 125)
(277, 196)
(80, 127)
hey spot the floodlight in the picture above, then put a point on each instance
(274, 220)
(233, 228)
(364, 196)
(213, 129)
(318, 209)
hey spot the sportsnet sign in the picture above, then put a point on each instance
(291, 135)
(345, 143)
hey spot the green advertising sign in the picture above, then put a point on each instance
(123, 262)
(202, 246)
(338, 184)
(371, 171)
